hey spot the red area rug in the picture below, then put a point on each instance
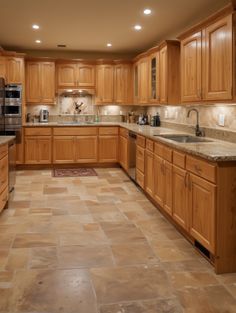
(73, 172)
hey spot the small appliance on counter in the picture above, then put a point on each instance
(143, 119)
(43, 116)
(155, 121)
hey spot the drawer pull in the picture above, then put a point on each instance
(197, 168)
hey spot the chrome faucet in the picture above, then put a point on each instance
(198, 131)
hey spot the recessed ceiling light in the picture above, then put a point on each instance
(147, 11)
(38, 41)
(137, 27)
(109, 45)
(35, 26)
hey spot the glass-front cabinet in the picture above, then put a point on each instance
(154, 77)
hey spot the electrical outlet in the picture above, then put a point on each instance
(221, 120)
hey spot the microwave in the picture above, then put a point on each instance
(13, 94)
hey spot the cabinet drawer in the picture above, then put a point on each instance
(201, 168)
(74, 131)
(3, 173)
(3, 150)
(140, 141)
(179, 159)
(108, 130)
(3, 198)
(140, 178)
(149, 145)
(38, 131)
(124, 132)
(163, 151)
(140, 158)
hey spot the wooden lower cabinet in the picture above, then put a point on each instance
(86, 149)
(38, 150)
(123, 152)
(180, 212)
(108, 148)
(63, 149)
(168, 189)
(149, 174)
(159, 180)
(3, 176)
(202, 208)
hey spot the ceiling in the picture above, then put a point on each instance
(89, 25)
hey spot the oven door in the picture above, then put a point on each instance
(13, 93)
(13, 110)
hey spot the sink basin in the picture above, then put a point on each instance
(184, 138)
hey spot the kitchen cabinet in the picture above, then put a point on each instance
(207, 62)
(124, 149)
(136, 82)
(123, 84)
(86, 149)
(3, 176)
(169, 72)
(153, 79)
(38, 150)
(108, 144)
(159, 180)
(140, 160)
(149, 173)
(63, 149)
(12, 69)
(104, 84)
(40, 82)
(75, 75)
(143, 81)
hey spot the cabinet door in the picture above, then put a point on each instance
(149, 174)
(108, 148)
(105, 79)
(86, 75)
(202, 206)
(168, 194)
(122, 84)
(63, 149)
(136, 82)
(67, 75)
(3, 68)
(44, 150)
(143, 81)
(33, 82)
(163, 76)
(31, 150)
(154, 94)
(180, 211)
(123, 152)
(159, 180)
(3, 173)
(86, 149)
(15, 70)
(191, 56)
(218, 60)
(47, 82)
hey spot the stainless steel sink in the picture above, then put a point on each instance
(184, 138)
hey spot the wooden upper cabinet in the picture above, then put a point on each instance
(40, 82)
(136, 82)
(191, 68)
(123, 84)
(66, 75)
(218, 60)
(169, 72)
(75, 75)
(143, 81)
(104, 84)
(154, 94)
(86, 75)
(15, 70)
(3, 67)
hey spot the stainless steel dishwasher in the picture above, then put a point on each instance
(132, 155)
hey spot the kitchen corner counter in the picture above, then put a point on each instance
(6, 139)
(215, 150)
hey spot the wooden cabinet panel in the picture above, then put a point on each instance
(153, 79)
(179, 159)
(140, 158)
(86, 149)
(33, 82)
(124, 132)
(180, 210)
(66, 75)
(31, 150)
(218, 60)
(64, 149)
(201, 168)
(202, 198)
(108, 130)
(108, 148)
(104, 84)
(75, 131)
(163, 75)
(149, 173)
(3, 67)
(141, 141)
(3, 198)
(140, 178)
(143, 81)
(44, 150)
(38, 150)
(86, 75)
(38, 131)
(123, 83)
(168, 187)
(159, 180)
(191, 67)
(3, 173)
(123, 152)
(48, 82)
(3, 150)
(15, 70)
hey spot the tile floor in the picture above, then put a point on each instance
(97, 245)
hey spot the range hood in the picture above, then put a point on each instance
(81, 92)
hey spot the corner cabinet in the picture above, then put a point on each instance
(207, 62)
(40, 82)
(104, 84)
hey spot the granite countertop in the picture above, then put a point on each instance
(6, 139)
(215, 150)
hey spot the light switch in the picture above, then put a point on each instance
(221, 120)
